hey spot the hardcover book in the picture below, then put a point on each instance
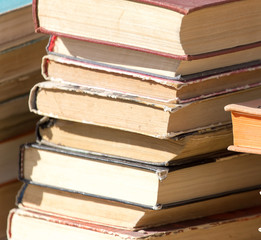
(8, 192)
(136, 183)
(74, 71)
(16, 23)
(21, 68)
(238, 225)
(136, 147)
(9, 160)
(129, 112)
(121, 215)
(15, 117)
(246, 120)
(181, 28)
(116, 59)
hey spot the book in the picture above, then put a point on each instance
(172, 33)
(8, 192)
(56, 68)
(15, 118)
(136, 147)
(78, 206)
(239, 225)
(147, 65)
(16, 23)
(20, 68)
(246, 120)
(16, 86)
(139, 184)
(21, 51)
(9, 152)
(129, 112)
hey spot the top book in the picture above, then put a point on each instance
(173, 28)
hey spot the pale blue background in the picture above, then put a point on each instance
(7, 5)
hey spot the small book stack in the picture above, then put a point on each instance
(132, 143)
(21, 51)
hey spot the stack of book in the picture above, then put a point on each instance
(21, 51)
(132, 143)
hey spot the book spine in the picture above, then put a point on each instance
(35, 15)
(44, 122)
(20, 194)
(9, 223)
(32, 99)
(21, 162)
(51, 44)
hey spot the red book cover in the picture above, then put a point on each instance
(187, 6)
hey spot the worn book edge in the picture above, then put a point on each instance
(197, 224)
(247, 108)
(244, 149)
(175, 84)
(161, 173)
(46, 122)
